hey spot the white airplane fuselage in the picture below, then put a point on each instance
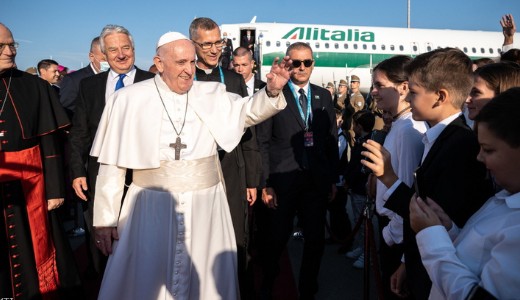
(343, 51)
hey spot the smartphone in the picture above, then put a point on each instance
(379, 137)
(416, 184)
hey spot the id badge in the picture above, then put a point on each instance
(308, 140)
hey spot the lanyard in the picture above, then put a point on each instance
(309, 108)
(221, 75)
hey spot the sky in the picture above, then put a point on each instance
(62, 29)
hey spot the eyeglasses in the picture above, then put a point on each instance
(307, 63)
(208, 45)
(13, 46)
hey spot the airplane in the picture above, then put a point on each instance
(343, 51)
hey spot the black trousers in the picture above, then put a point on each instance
(297, 193)
(340, 227)
(389, 259)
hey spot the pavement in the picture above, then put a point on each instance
(338, 279)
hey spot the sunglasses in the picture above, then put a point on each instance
(307, 63)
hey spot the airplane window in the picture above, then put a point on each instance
(465, 49)
(374, 47)
(355, 46)
(491, 50)
(414, 48)
(345, 46)
(287, 43)
(392, 47)
(336, 45)
(482, 50)
(473, 50)
(317, 45)
(499, 50)
(277, 43)
(327, 45)
(364, 46)
(383, 47)
(401, 48)
(429, 48)
(268, 43)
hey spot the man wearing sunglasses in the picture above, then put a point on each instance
(241, 167)
(300, 153)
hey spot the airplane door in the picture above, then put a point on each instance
(248, 39)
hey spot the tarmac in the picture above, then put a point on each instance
(338, 279)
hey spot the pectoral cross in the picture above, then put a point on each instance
(178, 145)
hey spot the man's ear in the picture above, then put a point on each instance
(158, 63)
(443, 96)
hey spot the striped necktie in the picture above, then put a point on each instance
(303, 101)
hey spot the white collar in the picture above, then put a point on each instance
(296, 88)
(512, 200)
(112, 74)
(433, 133)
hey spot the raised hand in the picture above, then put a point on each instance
(279, 75)
(508, 28)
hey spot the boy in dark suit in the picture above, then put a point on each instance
(439, 82)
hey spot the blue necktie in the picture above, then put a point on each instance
(120, 82)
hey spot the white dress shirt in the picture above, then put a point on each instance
(485, 252)
(251, 86)
(113, 77)
(405, 147)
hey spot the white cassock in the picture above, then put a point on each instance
(176, 238)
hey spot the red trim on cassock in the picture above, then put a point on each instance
(20, 120)
(31, 178)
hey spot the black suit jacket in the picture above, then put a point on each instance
(451, 176)
(259, 84)
(245, 156)
(69, 88)
(240, 166)
(281, 139)
(89, 107)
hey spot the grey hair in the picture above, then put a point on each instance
(111, 29)
(299, 46)
(201, 23)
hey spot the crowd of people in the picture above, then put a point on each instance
(191, 174)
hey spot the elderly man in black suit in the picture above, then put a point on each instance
(118, 46)
(300, 152)
(69, 86)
